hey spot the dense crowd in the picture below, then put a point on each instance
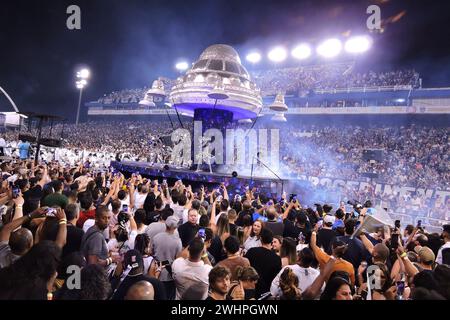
(297, 80)
(68, 233)
(329, 76)
(412, 156)
(127, 96)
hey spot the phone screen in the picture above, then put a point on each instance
(201, 233)
(125, 208)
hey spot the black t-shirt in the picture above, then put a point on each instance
(324, 239)
(233, 229)
(149, 202)
(355, 252)
(276, 227)
(216, 249)
(267, 263)
(187, 232)
(160, 291)
(290, 229)
(73, 242)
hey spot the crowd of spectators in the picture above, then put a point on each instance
(412, 156)
(297, 80)
(68, 233)
(303, 79)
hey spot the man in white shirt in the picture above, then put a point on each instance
(446, 246)
(305, 274)
(139, 197)
(191, 274)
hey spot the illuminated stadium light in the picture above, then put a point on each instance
(329, 48)
(358, 44)
(277, 54)
(79, 85)
(83, 82)
(302, 51)
(253, 57)
(84, 74)
(182, 66)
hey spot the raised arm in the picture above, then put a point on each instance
(61, 236)
(288, 209)
(367, 244)
(314, 289)
(225, 191)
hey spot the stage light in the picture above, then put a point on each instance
(253, 57)
(302, 51)
(358, 44)
(329, 48)
(277, 54)
(182, 66)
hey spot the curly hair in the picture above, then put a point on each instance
(94, 283)
(289, 285)
(27, 278)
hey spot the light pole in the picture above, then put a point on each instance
(82, 77)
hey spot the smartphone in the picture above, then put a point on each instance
(165, 263)
(202, 234)
(50, 212)
(15, 192)
(419, 223)
(400, 288)
(394, 241)
(397, 224)
(125, 208)
(164, 182)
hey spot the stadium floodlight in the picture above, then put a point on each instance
(329, 48)
(84, 74)
(182, 66)
(358, 44)
(302, 51)
(277, 54)
(253, 57)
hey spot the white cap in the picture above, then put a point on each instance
(329, 219)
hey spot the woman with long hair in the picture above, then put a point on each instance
(288, 252)
(142, 244)
(254, 238)
(337, 288)
(289, 285)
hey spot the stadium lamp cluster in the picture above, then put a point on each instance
(328, 49)
(82, 77)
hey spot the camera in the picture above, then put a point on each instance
(122, 217)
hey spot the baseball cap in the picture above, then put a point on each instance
(134, 259)
(172, 222)
(426, 254)
(328, 219)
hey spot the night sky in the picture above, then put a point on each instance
(127, 44)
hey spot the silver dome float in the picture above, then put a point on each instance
(217, 81)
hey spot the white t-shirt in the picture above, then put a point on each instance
(191, 278)
(306, 277)
(139, 199)
(115, 246)
(251, 242)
